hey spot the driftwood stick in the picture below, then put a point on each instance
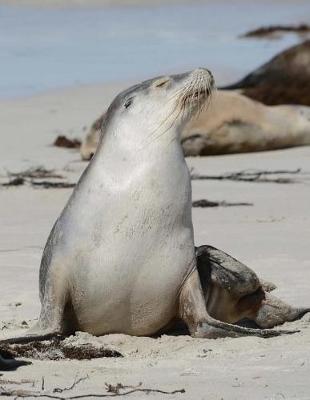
(26, 394)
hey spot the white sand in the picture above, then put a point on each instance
(272, 237)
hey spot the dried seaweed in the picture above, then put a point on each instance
(252, 176)
(37, 177)
(36, 173)
(63, 141)
(203, 203)
(52, 185)
(56, 350)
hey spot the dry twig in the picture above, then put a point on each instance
(75, 383)
(113, 391)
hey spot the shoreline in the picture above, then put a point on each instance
(94, 3)
(114, 3)
(223, 76)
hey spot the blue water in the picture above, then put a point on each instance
(42, 49)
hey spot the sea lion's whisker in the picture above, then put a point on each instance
(168, 128)
(161, 124)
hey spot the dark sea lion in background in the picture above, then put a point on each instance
(285, 79)
(232, 123)
(276, 31)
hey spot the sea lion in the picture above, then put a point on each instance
(236, 124)
(121, 256)
(285, 79)
(232, 124)
(91, 141)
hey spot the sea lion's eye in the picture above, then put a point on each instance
(161, 82)
(128, 102)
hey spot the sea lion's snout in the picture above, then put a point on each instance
(203, 77)
(202, 73)
(199, 85)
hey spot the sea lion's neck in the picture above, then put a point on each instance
(136, 148)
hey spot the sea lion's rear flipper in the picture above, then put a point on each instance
(193, 311)
(226, 272)
(267, 285)
(274, 311)
(233, 292)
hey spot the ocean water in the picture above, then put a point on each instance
(42, 49)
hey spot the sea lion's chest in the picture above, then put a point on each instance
(135, 197)
(135, 249)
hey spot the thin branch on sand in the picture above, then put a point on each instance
(75, 383)
(118, 390)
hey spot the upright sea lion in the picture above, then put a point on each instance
(121, 256)
(232, 124)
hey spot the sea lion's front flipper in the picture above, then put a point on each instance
(10, 364)
(193, 311)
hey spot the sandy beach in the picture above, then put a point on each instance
(272, 237)
(60, 72)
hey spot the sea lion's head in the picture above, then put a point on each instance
(153, 107)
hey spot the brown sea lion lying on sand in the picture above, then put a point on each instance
(233, 123)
